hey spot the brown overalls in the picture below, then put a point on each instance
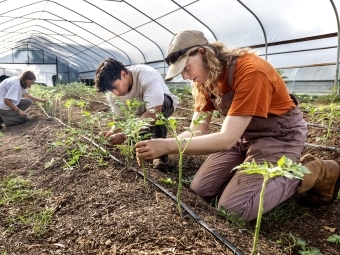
(264, 139)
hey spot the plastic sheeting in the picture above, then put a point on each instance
(43, 72)
(301, 35)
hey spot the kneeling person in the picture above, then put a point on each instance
(15, 99)
(139, 82)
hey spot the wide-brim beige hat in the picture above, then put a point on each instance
(180, 48)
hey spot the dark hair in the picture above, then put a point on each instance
(27, 75)
(107, 72)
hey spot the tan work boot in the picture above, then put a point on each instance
(321, 186)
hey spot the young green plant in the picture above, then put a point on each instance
(299, 244)
(334, 239)
(134, 128)
(69, 104)
(327, 118)
(285, 167)
(182, 144)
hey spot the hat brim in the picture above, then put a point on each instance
(177, 67)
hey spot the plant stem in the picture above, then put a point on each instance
(180, 166)
(142, 162)
(180, 170)
(259, 215)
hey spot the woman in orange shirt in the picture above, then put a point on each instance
(263, 122)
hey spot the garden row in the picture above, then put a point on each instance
(74, 162)
(323, 121)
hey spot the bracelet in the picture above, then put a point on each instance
(18, 110)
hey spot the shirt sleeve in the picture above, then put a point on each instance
(12, 93)
(114, 107)
(153, 94)
(252, 95)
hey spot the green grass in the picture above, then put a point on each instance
(236, 222)
(41, 221)
(14, 190)
(18, 200)
(282, 213)
(290, 243)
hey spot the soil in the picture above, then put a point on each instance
(101, 206)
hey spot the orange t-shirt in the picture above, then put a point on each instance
(258, 89)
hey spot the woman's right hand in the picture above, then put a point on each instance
(150, 149)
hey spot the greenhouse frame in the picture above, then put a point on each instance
(64, 41)
(106, 149)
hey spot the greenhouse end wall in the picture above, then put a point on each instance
(310, 87)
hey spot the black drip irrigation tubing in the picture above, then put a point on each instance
(322, 146)
(323, 127)
(184, 206)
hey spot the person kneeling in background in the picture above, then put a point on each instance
(15, 99)
(139, 82)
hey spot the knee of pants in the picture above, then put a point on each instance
(196, 186)
(239, 209)
(202, 192)
(9, 121)
(25, 103)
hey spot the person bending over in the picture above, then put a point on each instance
(139, 82)
(263, 122)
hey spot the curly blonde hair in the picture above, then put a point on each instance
(216, 56)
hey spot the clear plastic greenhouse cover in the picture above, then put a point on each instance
(70, 38)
